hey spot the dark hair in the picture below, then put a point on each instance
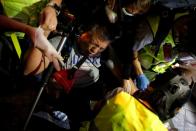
(171, 91)
(103, 32)
(142, 5)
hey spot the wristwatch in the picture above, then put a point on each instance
(55, 6)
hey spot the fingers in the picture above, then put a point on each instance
(59, 57)
(49, 51)
(52, 54)
(48, 19)
(47, 48)
(43, 44)
(126, 86)
(55, 58)
(49, 27)
(56, 64)
(41, 41)
(128, 90)
(129, 86)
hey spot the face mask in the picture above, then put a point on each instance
(126, 13)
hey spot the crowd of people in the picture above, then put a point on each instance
(118, 55)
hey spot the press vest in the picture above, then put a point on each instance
(164, 58)
(26, 11)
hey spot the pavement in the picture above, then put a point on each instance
(185, 120)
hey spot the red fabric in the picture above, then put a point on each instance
(61, 78)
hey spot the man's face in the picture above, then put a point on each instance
(92, 45)
(170, 93)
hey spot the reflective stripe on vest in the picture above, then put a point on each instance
(16, 45)
(154, 23)
(14, 37)
(161, 64)
(13, 7)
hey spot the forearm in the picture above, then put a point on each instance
(136, 64)
(137, 67)
(48, 16)
(11, 24)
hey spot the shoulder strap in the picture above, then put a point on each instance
(167, 14)
(76, 67)
(165, 24)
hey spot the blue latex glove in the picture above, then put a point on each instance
(142, 82)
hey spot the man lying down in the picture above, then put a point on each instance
(146, 110)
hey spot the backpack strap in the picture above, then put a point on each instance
(165, 24)
(168, 9)
(76, 67)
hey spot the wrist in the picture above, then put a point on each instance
(140, 75)
(30, 31)
(137, 67)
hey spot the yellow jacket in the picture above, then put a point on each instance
(26, 11)
(124, 113)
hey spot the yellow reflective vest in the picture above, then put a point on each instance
(26, 11)
(125, 113)
(147, 53)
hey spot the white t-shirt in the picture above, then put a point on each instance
(88, 73)
(144, 36)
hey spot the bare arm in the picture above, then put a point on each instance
(8, 23)
(48, 17)
(37, 37)
(136, 64)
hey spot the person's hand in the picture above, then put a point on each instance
(129, 86)
(48, 20)
(126, 86)
(41, 42)
(142, 82)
